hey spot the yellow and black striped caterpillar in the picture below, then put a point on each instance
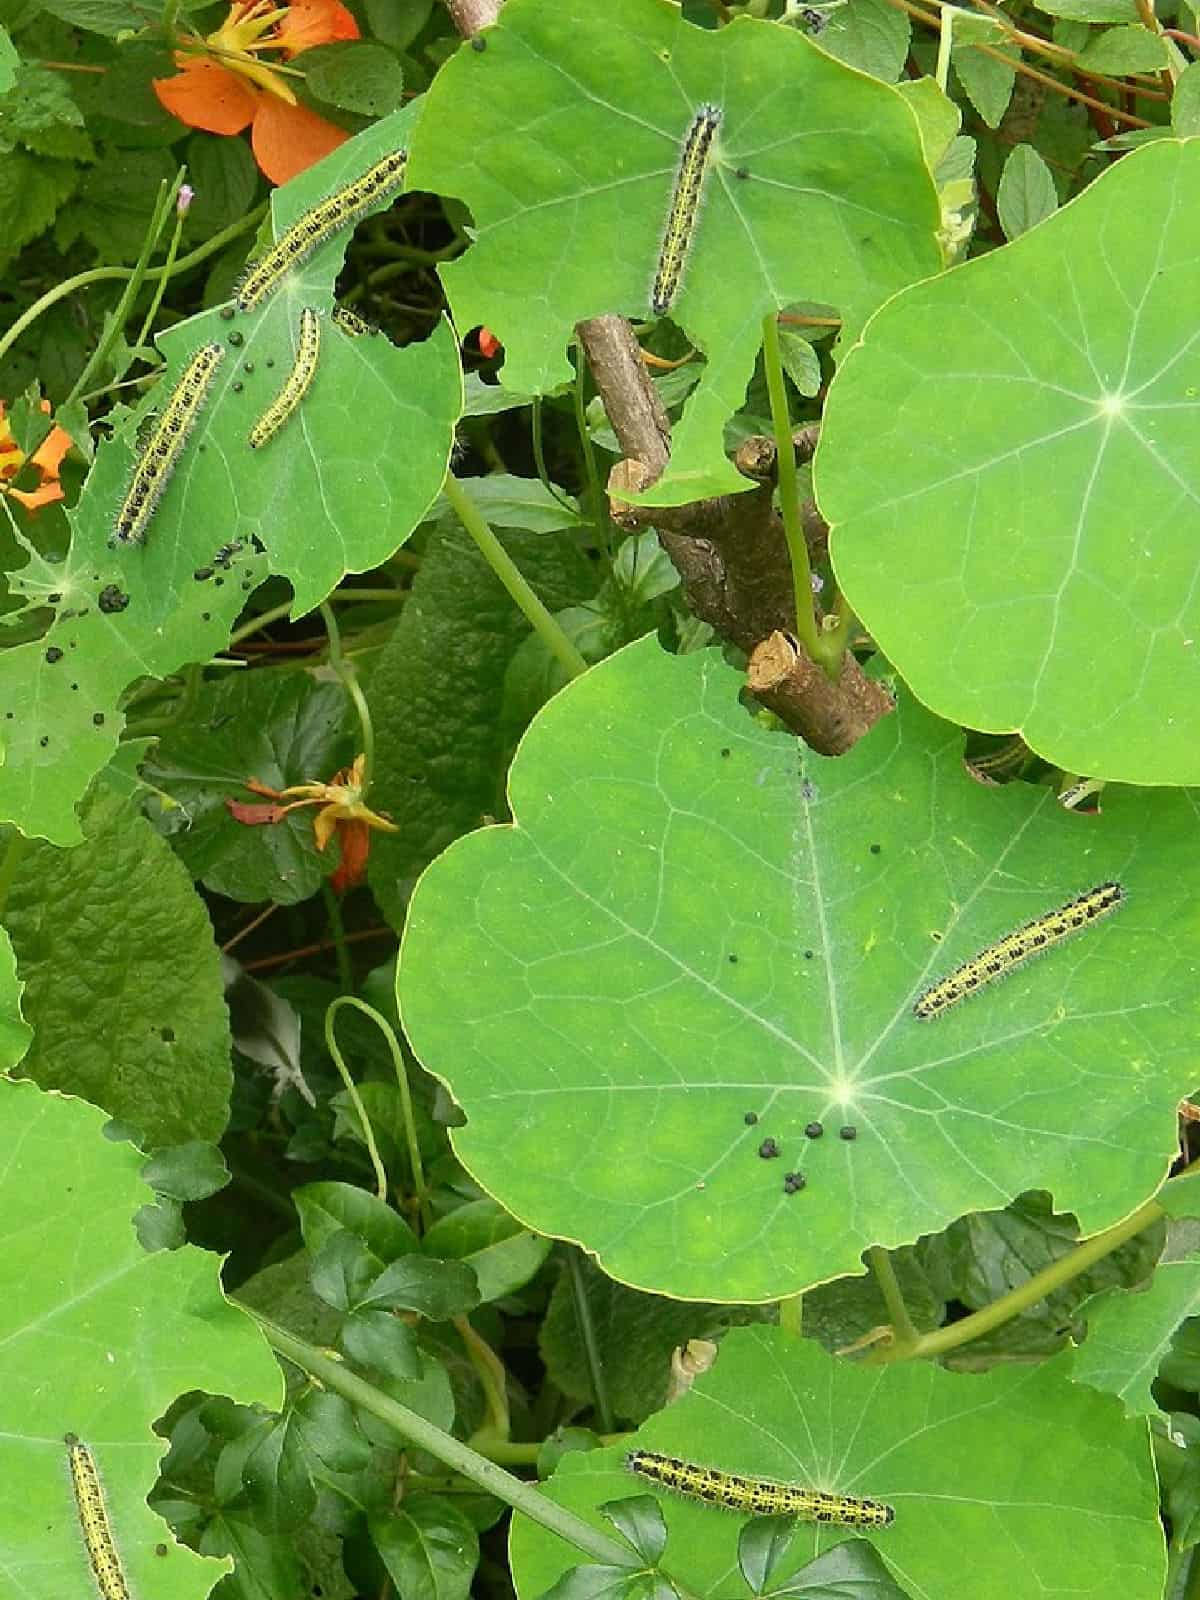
(93, 1519)
(999, 959)
(758, 1497)
(160, 457)
(685, 206)
(294, 385)
(340, 210)
(350, 322)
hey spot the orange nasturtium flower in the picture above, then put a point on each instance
(223, 86)
(342, 812)
(47, 458)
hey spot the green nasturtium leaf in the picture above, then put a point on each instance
(563, 137)
(15, 1032)
(1128, 1334)
(122, 978)
(693, 922)
(99, 1341)
(337, 490)
(1011, 462)
(952, 1454)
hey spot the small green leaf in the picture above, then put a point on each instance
(190, 1171)
(1092, 10)
(32, 190)
(852, 1571)
(9, 62)
(502, 1254)
(1185, 104)
(428, 1547)
(326, 1208)
(437, 1289)
(870, 35)
(109, 17)
(380, 1340)
(800, 362)
(938, 116)
(639, 1520)
(397, 25)
(359, 75)
(1026, 194)
(1125, 49)
(509, 502)
(987, 81)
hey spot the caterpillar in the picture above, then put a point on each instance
(685, 204)
(1000, 958)
(164, 446)
(321, 222)
(758, 1497)
(295, 384)
(93, 1519)
(350, 322)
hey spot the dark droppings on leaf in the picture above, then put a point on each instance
(808, 955)
(269, 362)
(237, 387)
(237, 339)
(53, 599)
(111, 600)
(227, 313)
(742, 172)
(167, 1035)
(202, 574)
(248, 366)
(750, 1118)
(725, 750)
(160, 1549)
(44, 740)
(814, 1130)
(768, 1149)
(793, 1182)
(732, 960)
(53, 654)
(848, 1133)
(478, 43)
(98, 718)
(206, 616)
(875, 849)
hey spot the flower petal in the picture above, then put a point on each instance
(205, 95)
(313, 22)
(288, 140)
(49, 454)
(355, 840)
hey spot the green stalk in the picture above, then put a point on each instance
(506, 569)
(591, 1346)
(595, 492)
(459, 1457)
(160, 288)
(81, 280)
(880, 1264)
(349, 680)
(337, 929)
(789, 493)
(331, 1043)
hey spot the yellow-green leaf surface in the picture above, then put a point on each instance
(692, 920)
(337, 490)
(1011, 462)
(962, 1460)
(1128, 1334)
(563, 132)
(99, 1338)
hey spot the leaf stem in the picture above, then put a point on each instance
(493, 1380)
(81, 280)
(459, 1457)
(591, 1346)
(506, 569)
(349, 679)
(880, 1264)
(595, 492)
(789, 491)
(160, 287)
(331, 1043)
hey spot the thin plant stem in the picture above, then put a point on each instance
(356, 1100)
(591, 1345)
(167, 193)
(82, 280)
(349, 679)
(880, 1264)
(506, 569)
(459, 1457)
(789, 491)
(337, 932)
(160, 287)
(539, 459)
(257, 624)
(791, 1315)
(406, 1105)
(1025, 1295)
(595, 492)
(244, 933)
(493, 1380)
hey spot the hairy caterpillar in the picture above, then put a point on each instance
(164, 446)
(1000, 958)
(310, 230)
(294, 385)
(93, 1518)
(350, 322)
(685, 205)
(758, 1497)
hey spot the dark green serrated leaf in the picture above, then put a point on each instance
(639, 1520)
(32, 189)
(1132, 48)
(436, 1289)
(343, 1270)
(115, 201)
(355, 75)
(988, 82)
(870, 35)
(109, 17)
(123, 985)
(278, 728)
(502, 1254)
(326, 1208)
(190, 1171)
(224, 177)
(40, 113)
(9, 62)
(380, 1340)
(436, 692)
(429, 1548)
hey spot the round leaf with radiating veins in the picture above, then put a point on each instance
(563, 135)
(337, 490)
(957, 1458)
(1011, 462)
(698, 937)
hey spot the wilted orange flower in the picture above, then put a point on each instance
(222, 86)
(342, 812)
(47, 458)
